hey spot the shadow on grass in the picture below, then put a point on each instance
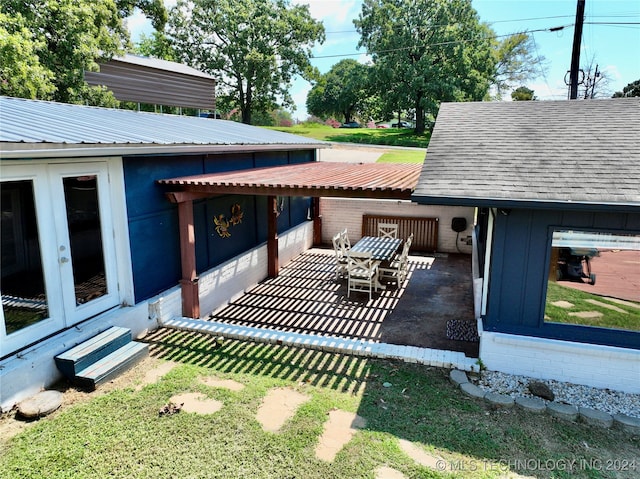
(412, 402)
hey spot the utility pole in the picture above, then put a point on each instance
(575, 54)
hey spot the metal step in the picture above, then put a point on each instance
(112, 365)
(83, 355)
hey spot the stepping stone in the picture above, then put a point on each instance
(338, 431)
(628, 423)
(40, 405)
(278, 406)
(563, 304)
(458, 377)
(229, 384)
(623, 302)
(420, 456)
(499, 400)
(385, 472)
(533, 405)
(472, 390)
(196, 402)
(606, 305)
(595, 417)
(563, 411)
(587, 314)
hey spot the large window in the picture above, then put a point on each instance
(594, 280)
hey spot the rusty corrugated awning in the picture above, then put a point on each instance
(352, 180)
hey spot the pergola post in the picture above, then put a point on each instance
(273, 264)
(189, 281)
(317, 221)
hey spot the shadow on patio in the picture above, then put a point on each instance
(306, 298)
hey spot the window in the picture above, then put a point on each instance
(594, 279)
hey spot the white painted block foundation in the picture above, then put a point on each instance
(579, 363)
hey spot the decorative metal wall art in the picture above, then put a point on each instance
(223, 224)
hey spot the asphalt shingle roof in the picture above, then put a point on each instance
(567, 152)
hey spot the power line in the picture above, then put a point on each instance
(453, 42)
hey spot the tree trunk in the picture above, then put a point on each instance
(419, 117)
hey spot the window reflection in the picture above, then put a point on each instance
(594, 279)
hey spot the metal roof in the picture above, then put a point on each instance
(159, 82)
(32, 124)
(569, 154)
(369, 180)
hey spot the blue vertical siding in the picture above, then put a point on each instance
(521, 252)
(153, 220)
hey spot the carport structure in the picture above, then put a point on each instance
(315, 180)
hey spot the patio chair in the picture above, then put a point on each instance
(341, 257)
(409, 240)
(398, 268)
(387, 230)
(344, 238)
(363, 272)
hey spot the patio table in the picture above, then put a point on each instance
(382, 249)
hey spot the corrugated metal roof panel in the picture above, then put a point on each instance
(379, 180)
(33, 121)
(159, 82)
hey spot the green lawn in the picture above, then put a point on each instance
(371, 136)
(628, 318)
(120, 433)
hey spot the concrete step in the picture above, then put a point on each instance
(83, 355)
(112, 365)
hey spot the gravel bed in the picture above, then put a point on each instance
(612, 402)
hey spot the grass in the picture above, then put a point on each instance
(371, 136)
(629, 319)
(120, 434)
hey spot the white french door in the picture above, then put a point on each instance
(58, 251)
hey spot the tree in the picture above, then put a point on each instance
(425, 52)
(515, 62)
(632, 89)
(158, 45)
(522, 94)
(61, 39)
(342, 91)
(253, 48)
(595, 83)
(21, 73)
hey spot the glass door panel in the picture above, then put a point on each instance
(85, 237)
(24, 297)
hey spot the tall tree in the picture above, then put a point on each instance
(515, 62)
(342, 91)
(66, 37)
(427, 51)
(253, 48)
(522, 94)
(632, 89)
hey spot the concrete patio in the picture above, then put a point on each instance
(307, 306)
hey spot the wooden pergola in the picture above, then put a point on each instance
(315, 180)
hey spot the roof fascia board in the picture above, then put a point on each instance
(527, 204)
(199, 192)
(129, 150)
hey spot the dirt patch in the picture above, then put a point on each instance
(385, 472)
(196, 402)
(12, 425)
(338, 431)
(277, 407)
(222, 383)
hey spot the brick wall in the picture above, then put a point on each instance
(578, 363)
(340, 213)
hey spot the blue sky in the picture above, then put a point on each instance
(615, 48)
